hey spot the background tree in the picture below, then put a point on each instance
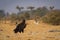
(18, 14)
(41, 11)
(51, 7)
(2, 15)
(7, 17)
(31, 9)
(19, 8)
(13, 17)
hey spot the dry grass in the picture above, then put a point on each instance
(32, 32)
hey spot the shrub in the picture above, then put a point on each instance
(53, 17)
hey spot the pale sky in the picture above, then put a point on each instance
(10, 5)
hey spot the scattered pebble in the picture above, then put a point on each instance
(1, 30)
(29, 39)
(54, 31)
(8, 36)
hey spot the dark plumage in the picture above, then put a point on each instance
(20, 27)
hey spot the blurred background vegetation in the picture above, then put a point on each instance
(47, 15)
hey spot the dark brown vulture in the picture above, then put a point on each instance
(20, 27)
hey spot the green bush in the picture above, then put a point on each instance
(53, 17)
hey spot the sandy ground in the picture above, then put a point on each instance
(33, 31)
